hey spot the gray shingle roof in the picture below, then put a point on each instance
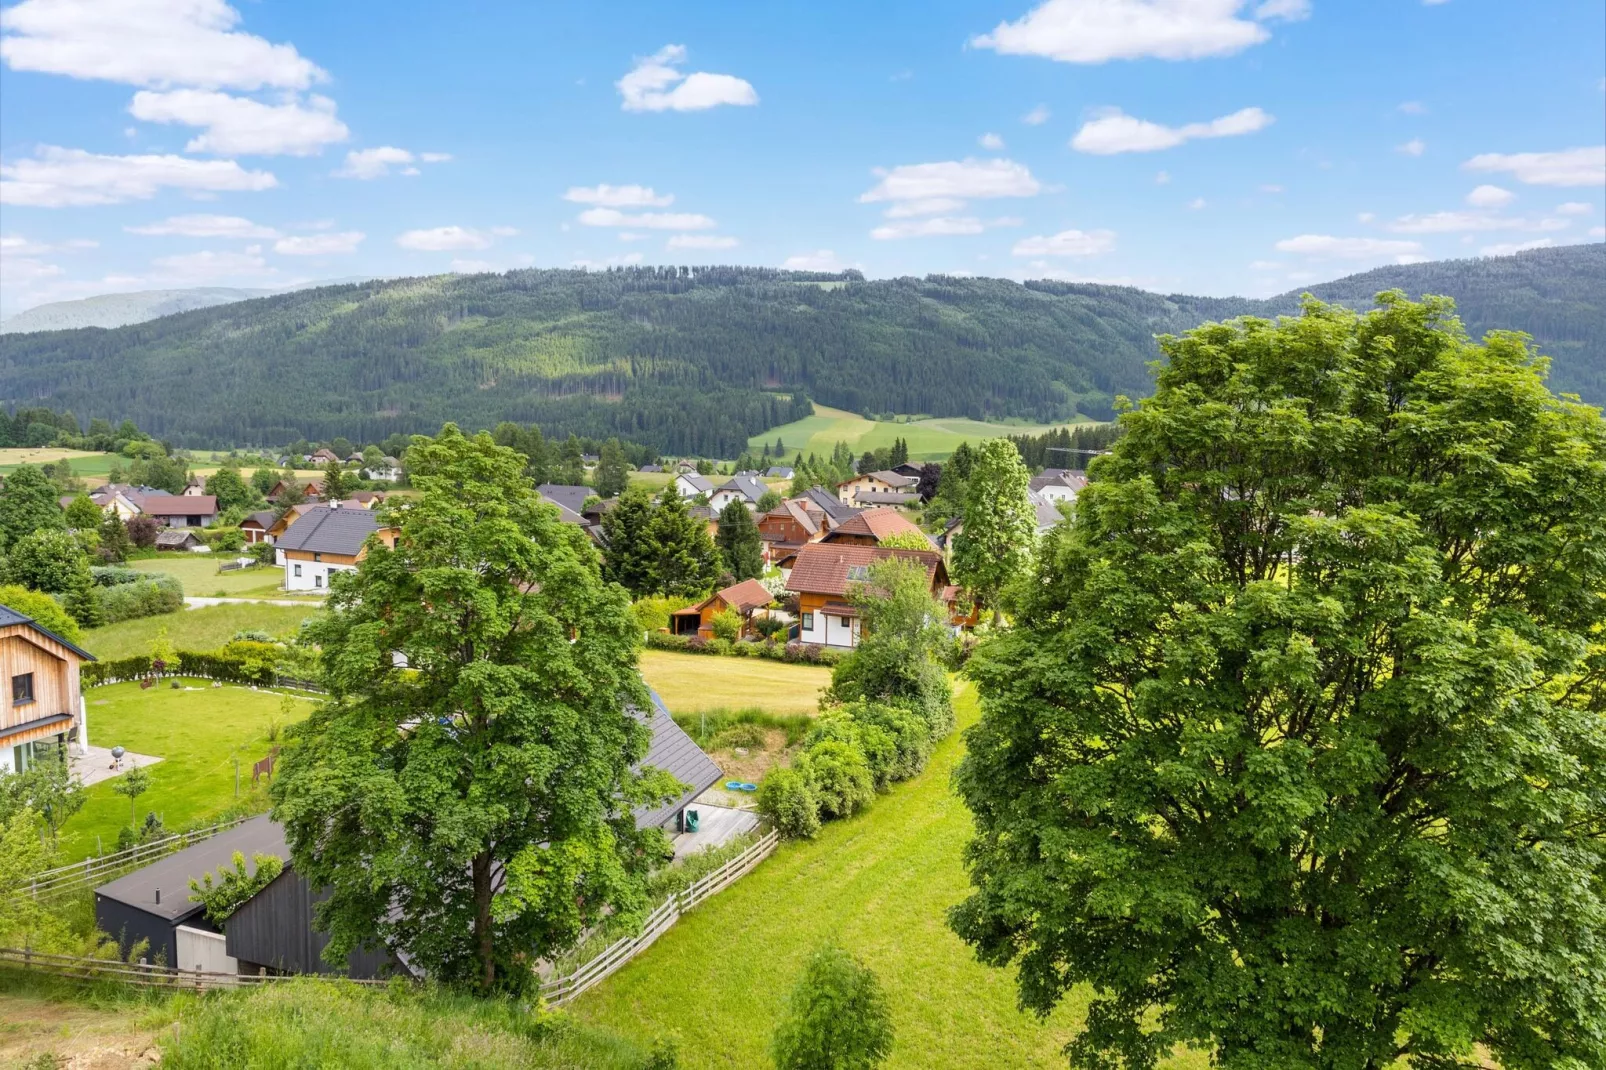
(570, 498)
(829, 503)
(330, 531)
(747, 486)
(172, 874)
(674, 751)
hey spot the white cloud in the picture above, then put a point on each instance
(962, 179)
(210, 264)
(205, 226)
(1490, 197)
(1197, 203)
(937, 226)
(1415, 147)
(1116, 133)
(17, 245)
(376, 163)
(991, 141)
(1270, 187)
(1326, 246)
(1366, 217)
(1507, 248)
(1037, 116)
(1163, 178)
(701, 241)
(1460, 222)
(1413, 107)
(1094, 31)
(240, 125)
(57, 178)
(1287, 10)
(319, 244)
(612, 217)
(1568, 167)
(1574, 208)
(155, 43)
(450, 239)
(647, 86)
(619, 196)
(819, 260)
(924, 206)
(1597, 232)
(1067, 243)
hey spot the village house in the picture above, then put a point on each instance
(788, 526)
(566, 497)
(743, 599)
(319, 458)
(180, 539)
(196, 486)
(324, 540)
(867, 527)
(309, 489)
(256, 526)
(119, 498)
(849, 490)
(1059, 484)
(690, 485)
(387, 470)
(274, 931)
(743, 488)
(779, 471)
(835, 509)
(180, 510)
(823, 575)
(907, 468)
(47, 704)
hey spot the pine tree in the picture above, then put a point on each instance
(611, 475)
(739, 544)
(632, 557)
(335, 486)
(114, 542)
(687, 563)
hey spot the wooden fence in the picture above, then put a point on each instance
(91, 871)
(560, 990)
(75, 968)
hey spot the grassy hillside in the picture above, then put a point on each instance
(930, 439)
(698, 363)
(880, 883)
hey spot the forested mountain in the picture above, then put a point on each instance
(696, 361)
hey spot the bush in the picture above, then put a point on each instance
(263, 552)
(710, 725)
(906, 730)
(652, 613)
(153, 593)
(225, 539)
(114, 575)
(840, 775)
(142, 531)
(770, 627)
(787, 798)
(726, 625)
(836, 1019)
(45, 611)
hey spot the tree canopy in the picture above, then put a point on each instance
(473, 810)
(995, 544)
(740, 548)
(1302, 716)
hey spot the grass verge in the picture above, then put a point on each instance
(880, 883)
(202, 628)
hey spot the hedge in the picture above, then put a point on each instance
(230, 666)
(793, 653)
(153, 593)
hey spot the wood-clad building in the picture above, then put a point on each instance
(46, 700)
(743, 599)
(823, 575)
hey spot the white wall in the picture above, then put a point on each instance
(829, 630)
(314, 574)
(199, 948)
(1057, 493)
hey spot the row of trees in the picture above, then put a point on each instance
(664, 549)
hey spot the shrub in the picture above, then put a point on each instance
(726, 625)
(153, 593)
(719, 646)
(837, 1017)
(739, 735)
(113, 575)
(45, 611)
(876, 743)
(709, 725)
(142, 531)
(769, 627)
(787, 798)
(652, 613)
(235, 884)
(263, 552)
(906, 729)
(223, 538)
(840, 776)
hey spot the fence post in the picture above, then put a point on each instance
(197, 977)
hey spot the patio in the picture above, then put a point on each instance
(98, 765)
(716, 826)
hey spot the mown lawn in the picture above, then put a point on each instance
(202, 628)
(881, 884)
(198, 732)
(199, 575)
(691, 682)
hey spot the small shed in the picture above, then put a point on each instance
(152, 903)
(179, 539)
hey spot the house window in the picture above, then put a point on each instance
(298, 570)
(808, 622)
(317, 557)
(847, 622)
(22, 689)
(317, 581)
(858, 572)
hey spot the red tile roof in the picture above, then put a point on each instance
(746, 596)
(823, 567)
(178, 504)
(876, 523)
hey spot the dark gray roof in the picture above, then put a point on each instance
(779, 471)
(265, 517)
(673, 751)
(1048, 514)
(177, 537)
(330, 531)
(834, 507)
(703, 484)
(747, 486)
(172, 874)
(570, 498)
(9, 616)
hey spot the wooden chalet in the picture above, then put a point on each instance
(47, 702)
(744, 599)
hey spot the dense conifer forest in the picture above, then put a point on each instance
(697, 360)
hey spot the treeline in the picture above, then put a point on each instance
(1066, 447)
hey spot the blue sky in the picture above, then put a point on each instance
(1200, 146)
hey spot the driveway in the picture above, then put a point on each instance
(191, 602)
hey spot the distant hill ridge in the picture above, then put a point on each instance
(120, 310)
(698, 362)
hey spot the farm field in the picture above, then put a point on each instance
(92, 467)
(198, 731)
(201, 628)
(879, 883)
(929, 440)
(689, 683)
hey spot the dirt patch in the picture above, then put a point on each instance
(80, 1037)
(751, 763)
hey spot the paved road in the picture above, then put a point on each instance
(311, 603)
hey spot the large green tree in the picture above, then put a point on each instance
(740, 547)
(837, 1017)
(612, 474)
(47, 560)
(231, 489)
(29, 502)
(687, 563)
(631, 558)
(1301, 721)
(995, 546)
(473, 811)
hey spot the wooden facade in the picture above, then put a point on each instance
(43, 697)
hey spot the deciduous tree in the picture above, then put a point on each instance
(995, 545)
(231, 489)
(82, 514)
(1296, 750)
(837, 1017)
(473, 811)
(28, 503)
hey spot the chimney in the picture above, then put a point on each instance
(158, 897)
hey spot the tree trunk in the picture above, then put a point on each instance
(482, 920)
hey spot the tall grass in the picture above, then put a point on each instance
(722, 729)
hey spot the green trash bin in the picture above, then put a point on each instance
(691, 820)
